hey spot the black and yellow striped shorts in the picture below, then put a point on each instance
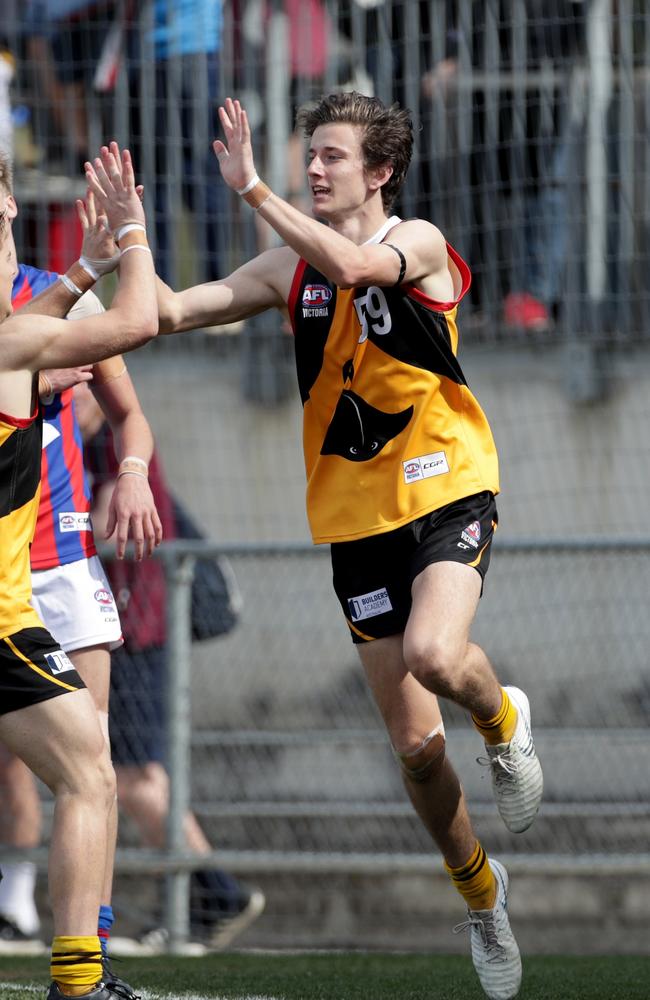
(33, 668)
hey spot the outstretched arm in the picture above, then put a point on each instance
(262, 283)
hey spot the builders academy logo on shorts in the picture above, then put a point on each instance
(377, 602)
(58, 662)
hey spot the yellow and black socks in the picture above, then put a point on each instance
(501, 727)
(76, 965)
(475, 880)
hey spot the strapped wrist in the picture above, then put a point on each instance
(133, 465)
(251, 184)
(129, 227)
(256, 195)
(97, 267)
(77, 279)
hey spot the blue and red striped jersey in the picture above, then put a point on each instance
(63, 528)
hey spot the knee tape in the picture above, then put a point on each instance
(418, 764)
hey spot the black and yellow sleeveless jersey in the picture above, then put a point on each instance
(20, 482)
(391, 430)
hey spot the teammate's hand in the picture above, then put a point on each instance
(110, 178)
(236, 155)
(98, 248)
(64, 378)
(132, 514)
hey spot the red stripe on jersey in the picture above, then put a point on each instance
(73, 458)
(23, 295)
(43, 548)
(295, 287)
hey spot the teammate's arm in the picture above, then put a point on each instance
(131, 509)
(346, 264)
(30, 344)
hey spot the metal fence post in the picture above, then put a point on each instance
(179, 573)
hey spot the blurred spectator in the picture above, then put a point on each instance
(220, 907)
(525, 156)
(174, 51)
(65, 39)
(7, 65)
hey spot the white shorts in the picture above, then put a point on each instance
(76, 604)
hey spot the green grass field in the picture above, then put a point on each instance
(340, 976)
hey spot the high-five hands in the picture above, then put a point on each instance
(99, 254)
(235, 156)
(110, 178)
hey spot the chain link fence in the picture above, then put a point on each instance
(532, 157)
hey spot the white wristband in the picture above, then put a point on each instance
(128, 227)
(135, 460)
(96, 267)
(249, 187)
(88, 268)
(70, 285)
(132, 472)
(135, 246)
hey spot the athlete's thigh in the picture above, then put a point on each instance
(94, 667)
(58, 739)
(445, 598)
(409, 711)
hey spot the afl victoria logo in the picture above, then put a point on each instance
(316, 295)
(103, 597)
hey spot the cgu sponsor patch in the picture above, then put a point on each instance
(377, 602)
(74, 521)
(425, 466)
(315, 299)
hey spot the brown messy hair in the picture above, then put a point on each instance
(6, 173)
(386, 133)
(6, 185)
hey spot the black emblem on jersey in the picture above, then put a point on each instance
(20, 466)
(419, 337)
(359, 431)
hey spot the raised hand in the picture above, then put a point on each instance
(111, 180)
(235, 156)
(98, 248)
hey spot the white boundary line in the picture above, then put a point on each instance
(145, 994)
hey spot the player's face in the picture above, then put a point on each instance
(335, 170)
(8, 269)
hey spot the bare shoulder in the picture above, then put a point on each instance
(16, 334)
(22, 336)
(418, 233)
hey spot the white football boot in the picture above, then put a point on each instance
(517, 779)
(495, 954)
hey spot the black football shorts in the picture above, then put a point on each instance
(33, 668)
(373, 576)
